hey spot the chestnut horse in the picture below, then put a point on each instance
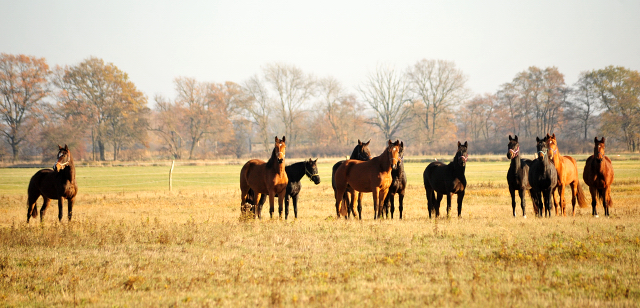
(58, 184)
(360, 152)
(543, 177)
(446, 180)
(518, 176)
(372, 176)
(265, 178)
(598, 175)
(567, 169)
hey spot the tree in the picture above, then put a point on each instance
(438, 85)
(115, 110)
(618, 89)
(258, 105)
(23, 85)
(478, 117)
(387, 93)
(293, 89)
(584, 104)
(168, 125)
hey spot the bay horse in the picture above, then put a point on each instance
(295, 173)
(372, 176)
(543, 177)
(567, 169)
(265, 178)
(398, 186)
(360, 152)
(446, 180)
(598, 175)
(518, 176)
(57, 184)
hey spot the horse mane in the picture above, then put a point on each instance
(272, 159)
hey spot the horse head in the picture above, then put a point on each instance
(461, 154)
(542, 148)
(393, 151)
(311, 170)
(553, 144)
(598, 150)
(63, 159)
(362, 151)
(280, 148)
(514, 147)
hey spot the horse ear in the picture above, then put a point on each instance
(359, 142)
(602, 140)
(465, 144)
(60, 148)
(284, 139)
(367, 142)
(537, 139)
(389, 142)
(510, 138)
(515, 138)
(554, 136)
(315, 161)
(595, 140)
(459, 144)
(401, 144)
(66, 148)
(276, 139)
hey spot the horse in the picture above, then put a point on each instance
(446, 180)
(567, 169)
(295, 172)
(265, 178)
(373, 176)
(543, 177)
(398, 186)
(57, 184)
(518, 175)
(360, 152)
(598, 175)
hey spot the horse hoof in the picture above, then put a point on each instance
(596, 216)
(525, 216)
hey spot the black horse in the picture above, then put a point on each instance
(446, 180)
(518, 175)
(398, 185)
(295, 173)
(543, 177)
(57, 184)
(360, 152)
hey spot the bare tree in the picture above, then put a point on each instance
(585, 104)
(387, 93)
(293, 89)
(168, 125)
(23, 85)
(438, 85)
(258, 105)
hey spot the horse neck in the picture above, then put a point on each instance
(516, 162)
(557, 158)
(356, 153)
(384, 161)
(69, 171)
(296, 171)
(273, 163)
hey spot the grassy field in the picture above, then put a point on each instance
(133, 243)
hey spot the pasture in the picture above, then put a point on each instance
(133, 243)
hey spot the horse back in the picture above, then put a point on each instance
(364, 176)
(599, 175)
(441, 178)
(333, 173)
(46, 183)
(252, 175)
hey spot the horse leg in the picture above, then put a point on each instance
(437, 204)
(400, 200)
(360, 195)
(460, 198)
(375, 194)
(70, 207)
(339, 195)
(429, 201)
(547, 194)
(295, 205)
(382, 196)
(281, 196)
(555, 204)
(521, 193)
(60, 203)
(43, 209)
(605, 206)
(32, 209)
(391, 198)
(594, 200)
(449, 205)
(272, 195)
(286, 206)
(513, 200)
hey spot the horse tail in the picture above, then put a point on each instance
(536, 201)
(606, 195)
(582, 200)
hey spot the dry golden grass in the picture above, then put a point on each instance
(189, 248)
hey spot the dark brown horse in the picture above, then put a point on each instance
(446, 180)
(57, 184)
(598, 175)
(567, 169)
(265, 178)
(543, 177)
(367, 176)
(518, 176)
(360, 152)
(398, 186)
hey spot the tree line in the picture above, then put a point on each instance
(98, 111)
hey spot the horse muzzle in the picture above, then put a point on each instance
(315, 179)
(58, 166)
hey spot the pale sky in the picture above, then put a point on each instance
(217, 41)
